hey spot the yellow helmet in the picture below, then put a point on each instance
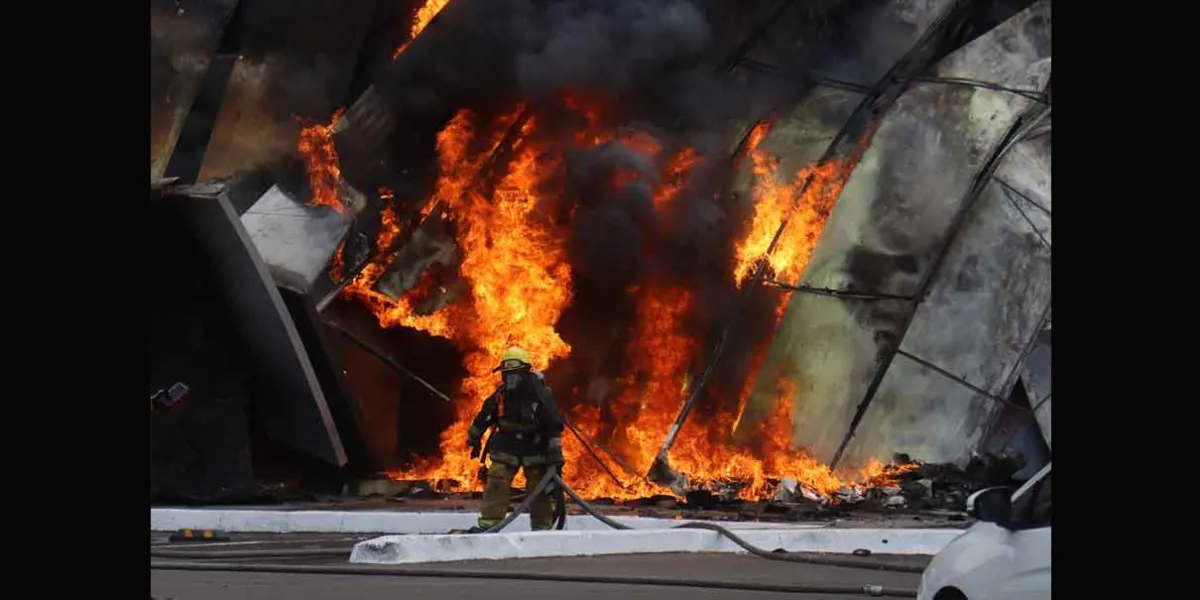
(514, 358)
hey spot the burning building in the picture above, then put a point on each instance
(747, 243)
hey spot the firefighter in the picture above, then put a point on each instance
(526, 434)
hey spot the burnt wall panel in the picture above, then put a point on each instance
(994, 288)
(976, 323)
(817, 334)
(800, 138)
(891, 221)
(1025, 176)
(184, 35)
(922, 413)
(297, 61)
(991, 294)
(296, 241)
(292, 405)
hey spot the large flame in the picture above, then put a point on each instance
(518, 279)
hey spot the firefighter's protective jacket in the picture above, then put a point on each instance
(527, 423)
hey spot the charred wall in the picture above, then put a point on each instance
(296, 63)
(885, 236)
(184, 35)
(825, 118)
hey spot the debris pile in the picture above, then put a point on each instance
(943, 486)
(918, 489)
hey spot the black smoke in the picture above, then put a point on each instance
(607, 47)
(644, 66)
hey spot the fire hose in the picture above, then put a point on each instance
(551, 477)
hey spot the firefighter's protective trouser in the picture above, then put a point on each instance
(495, 504)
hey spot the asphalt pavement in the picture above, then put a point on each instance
(733, 568)
(174, 585)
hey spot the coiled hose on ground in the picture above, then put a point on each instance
(551, 477)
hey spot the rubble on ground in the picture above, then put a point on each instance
(926, 490)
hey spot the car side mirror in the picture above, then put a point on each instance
(991, 505)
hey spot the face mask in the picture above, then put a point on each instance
(511, 380)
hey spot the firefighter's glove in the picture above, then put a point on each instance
(554, 453)
(475, 444)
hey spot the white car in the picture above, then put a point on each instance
(1005, 555)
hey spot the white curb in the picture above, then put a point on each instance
(385, 522)
(397, 549)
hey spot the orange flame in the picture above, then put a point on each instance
(519, 282)
(675, 177)
(421, 18)
(337, 270)
(321, 163)
(805, 208)
(425, 14)
(757, 135)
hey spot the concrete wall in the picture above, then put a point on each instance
(883, 236)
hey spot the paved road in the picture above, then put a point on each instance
(192, 585)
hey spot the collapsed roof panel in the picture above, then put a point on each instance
(296, 241)
(293, 406)
(1025, 177)
(921, 412)
(812, 348)
(296, 61)
(183, 40)
(887, 229)
(994, 287)
(800, 139)
(245, 134)
(994, 283)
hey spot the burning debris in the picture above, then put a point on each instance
(926, 491)
(321, 162)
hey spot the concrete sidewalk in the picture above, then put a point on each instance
(420, 537)
(384, 521)
(412, 549)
